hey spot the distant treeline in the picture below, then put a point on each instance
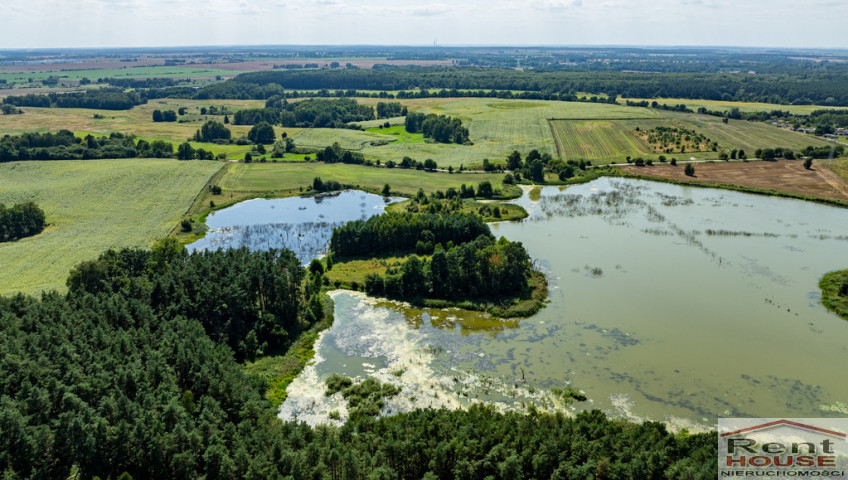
(20, 220)
(227, 90)
(309, 113)
(63, 145)
(143, 82)
(102, 99)
(824, 87)
(441, 128)
(401, 232)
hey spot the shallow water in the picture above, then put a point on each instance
(303, 225)
(667, 303)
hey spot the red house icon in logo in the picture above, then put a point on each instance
(790, 423)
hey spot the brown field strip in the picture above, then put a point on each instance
(783, 175)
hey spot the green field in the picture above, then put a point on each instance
(496, 126)
(399, 133)
(92, 206)
(131, 72)
(743, 134)
(287, 178)
(349, 139)
(610, 141)
(600, 140)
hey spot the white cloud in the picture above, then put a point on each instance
(556, 5)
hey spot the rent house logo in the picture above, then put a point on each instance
(770, 447)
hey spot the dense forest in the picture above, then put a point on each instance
(135, 368)
(309, 113)
(63, 145)
(479, 269)
(401, 232)
(818, 86)
(20, 220)
(440, 128)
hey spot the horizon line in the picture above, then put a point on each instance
(440, 46)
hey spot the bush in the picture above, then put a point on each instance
(689, 170)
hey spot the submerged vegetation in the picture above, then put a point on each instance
(364, 398)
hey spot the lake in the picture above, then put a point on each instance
(667, 303)
(301, 224)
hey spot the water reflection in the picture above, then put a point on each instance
(303, 225)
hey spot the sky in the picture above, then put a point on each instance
(139, 23)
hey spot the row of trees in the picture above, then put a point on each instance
(265, 91)
(100, 98)
(63, 145)
(441, 128)
(479, 269)
(400, 232)
(409, 162)
(20, 220)
(535, 165)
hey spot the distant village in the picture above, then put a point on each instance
(840, 132)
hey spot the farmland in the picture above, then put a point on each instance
(92, 206)
(497, 127)
(610, 141)
(598, 140)
(783, 176)
(602, 133)
(280, 179)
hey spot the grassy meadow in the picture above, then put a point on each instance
(91, 206)
(281, 178)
